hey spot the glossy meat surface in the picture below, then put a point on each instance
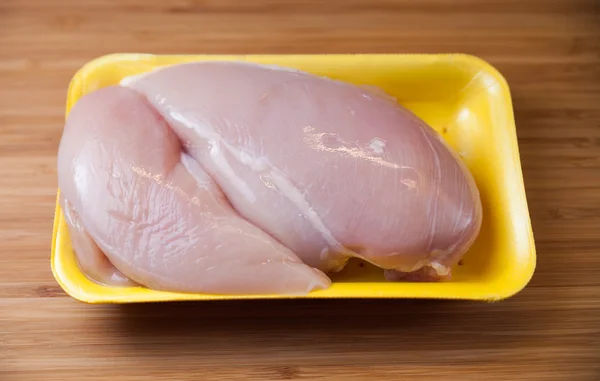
(239, 178)
(330, 169)
(156, 214)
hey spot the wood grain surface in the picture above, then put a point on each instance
(549, 51)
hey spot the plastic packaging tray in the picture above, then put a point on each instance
(461, 96)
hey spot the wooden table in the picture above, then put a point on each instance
(549, 50)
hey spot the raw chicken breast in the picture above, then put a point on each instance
(230, 177)
(130, 191)
(329, 169)
(90, 258)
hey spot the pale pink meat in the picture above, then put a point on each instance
(330, 169)
(228, 177)
(156, 214)
(90, 258)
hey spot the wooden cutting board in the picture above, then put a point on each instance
(549, 51)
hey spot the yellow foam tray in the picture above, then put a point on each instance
(461, 96)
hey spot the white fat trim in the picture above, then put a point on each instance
(377, 145)
(439, 268)
(221, 162)
(286, 188)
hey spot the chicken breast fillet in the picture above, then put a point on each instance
(283, 166)
(156, 214)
